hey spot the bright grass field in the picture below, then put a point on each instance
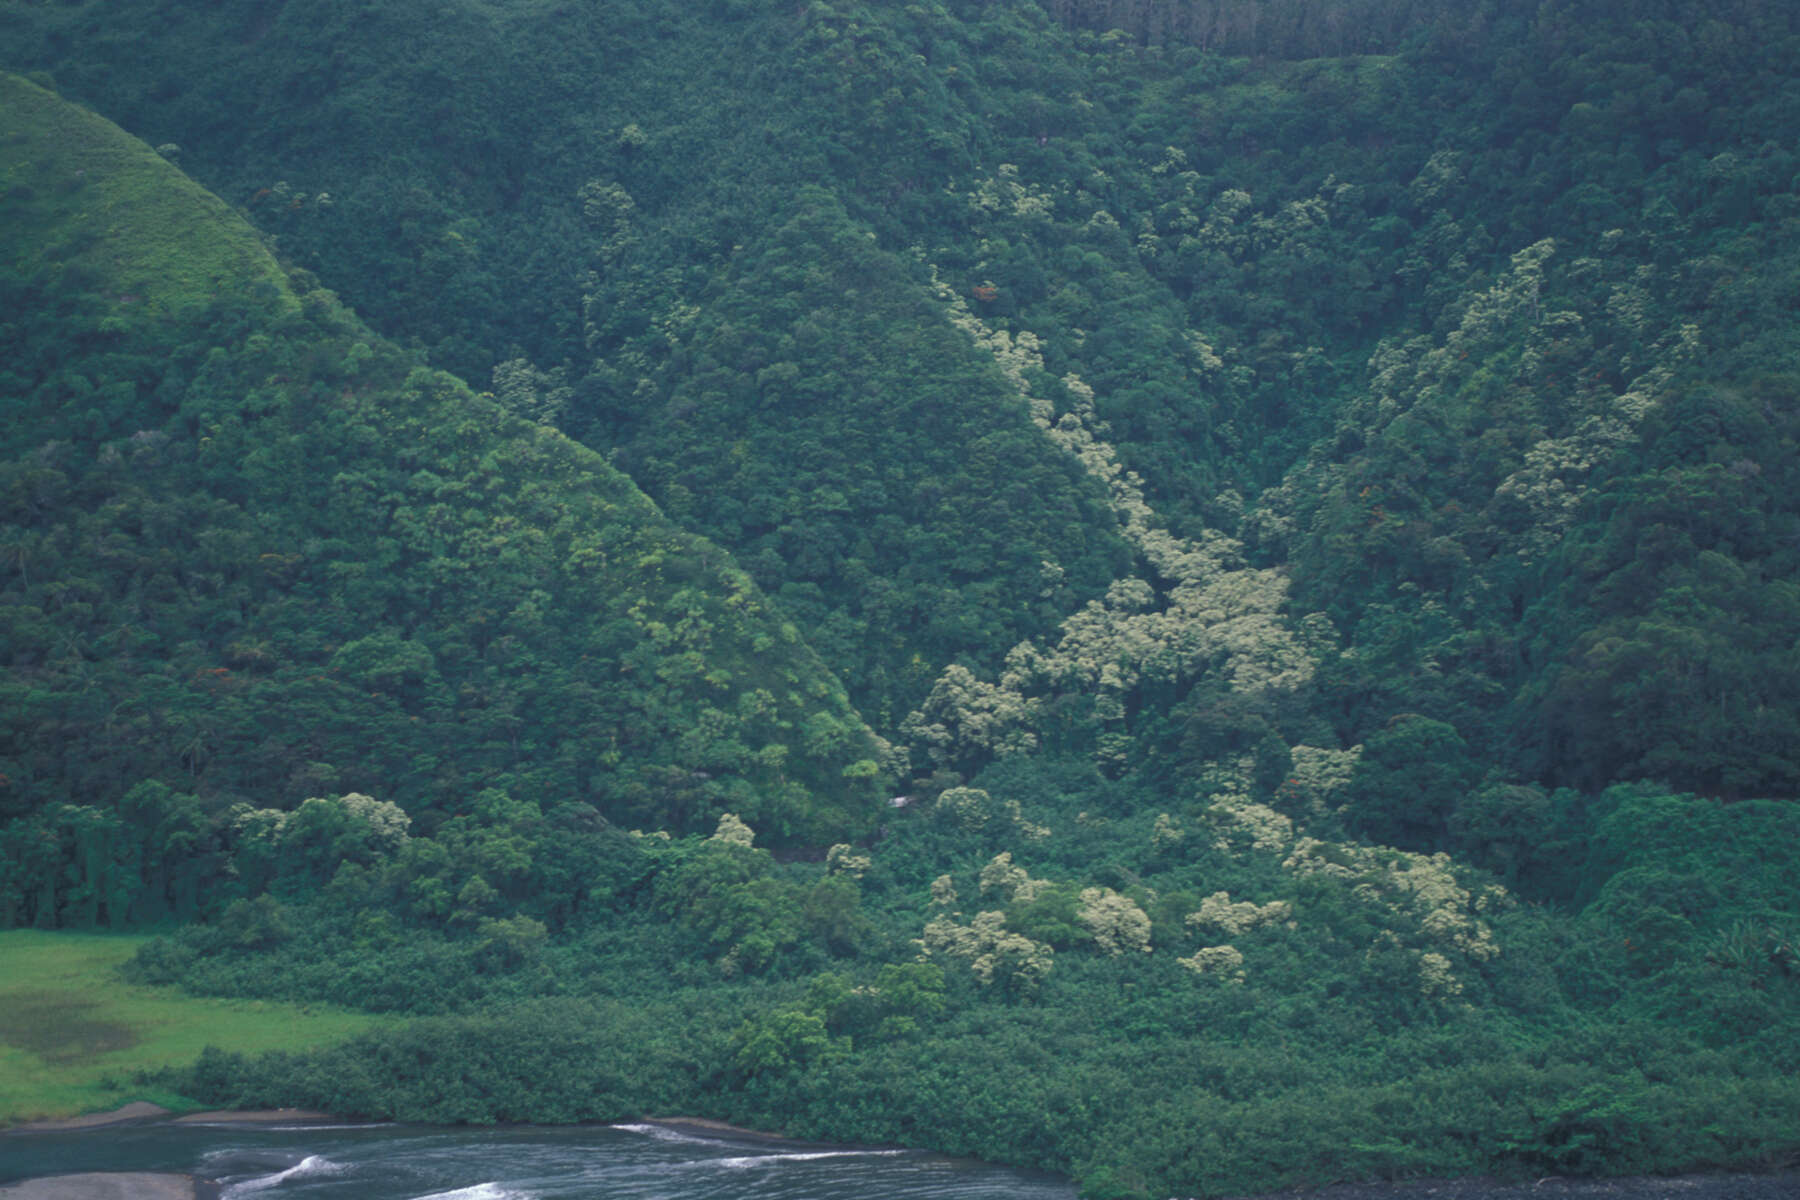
(73, 1033)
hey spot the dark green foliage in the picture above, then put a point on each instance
(1472, 323)
(315, 567)
(821, 418)
(1218, 245)
(1411, 774)
(557, 1061)
(1579, 1049)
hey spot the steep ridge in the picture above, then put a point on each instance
(256, 554)
(1399, 321)
(640, 221)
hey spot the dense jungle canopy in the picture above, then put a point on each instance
(1199, 593)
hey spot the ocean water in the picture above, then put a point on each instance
(618, 1162)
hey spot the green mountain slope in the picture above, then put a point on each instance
(254, 554)
(620, 204)
(708, 242)
(1322, 528)
(89, 210)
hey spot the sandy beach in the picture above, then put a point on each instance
(259, 1116)
(137, 1110)
(706, 1125)
(139, 1185)
(113, 1185)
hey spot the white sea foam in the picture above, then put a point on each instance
(663, 1133)
(312, 1164)
(481, 1191)
(760, 1160)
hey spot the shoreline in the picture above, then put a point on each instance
(257, 1116)
(112, 1185)
(136, 1110)
(138, 1185)
(155, 1185)
(142, 1111)
(708, 1125)
(1780, 1182)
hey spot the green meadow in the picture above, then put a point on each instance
(74, 1034)
(72, 189)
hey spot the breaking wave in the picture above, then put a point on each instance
(312, 1164)
(762, 1160)
(481, 1191)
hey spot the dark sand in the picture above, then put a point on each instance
(137, 1110)
(260, 1116)
(704, 1125)
(140, 1110)
(113, 1185)
(138, 1185)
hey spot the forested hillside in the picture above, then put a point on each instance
(1299, 494)
(257, 555)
